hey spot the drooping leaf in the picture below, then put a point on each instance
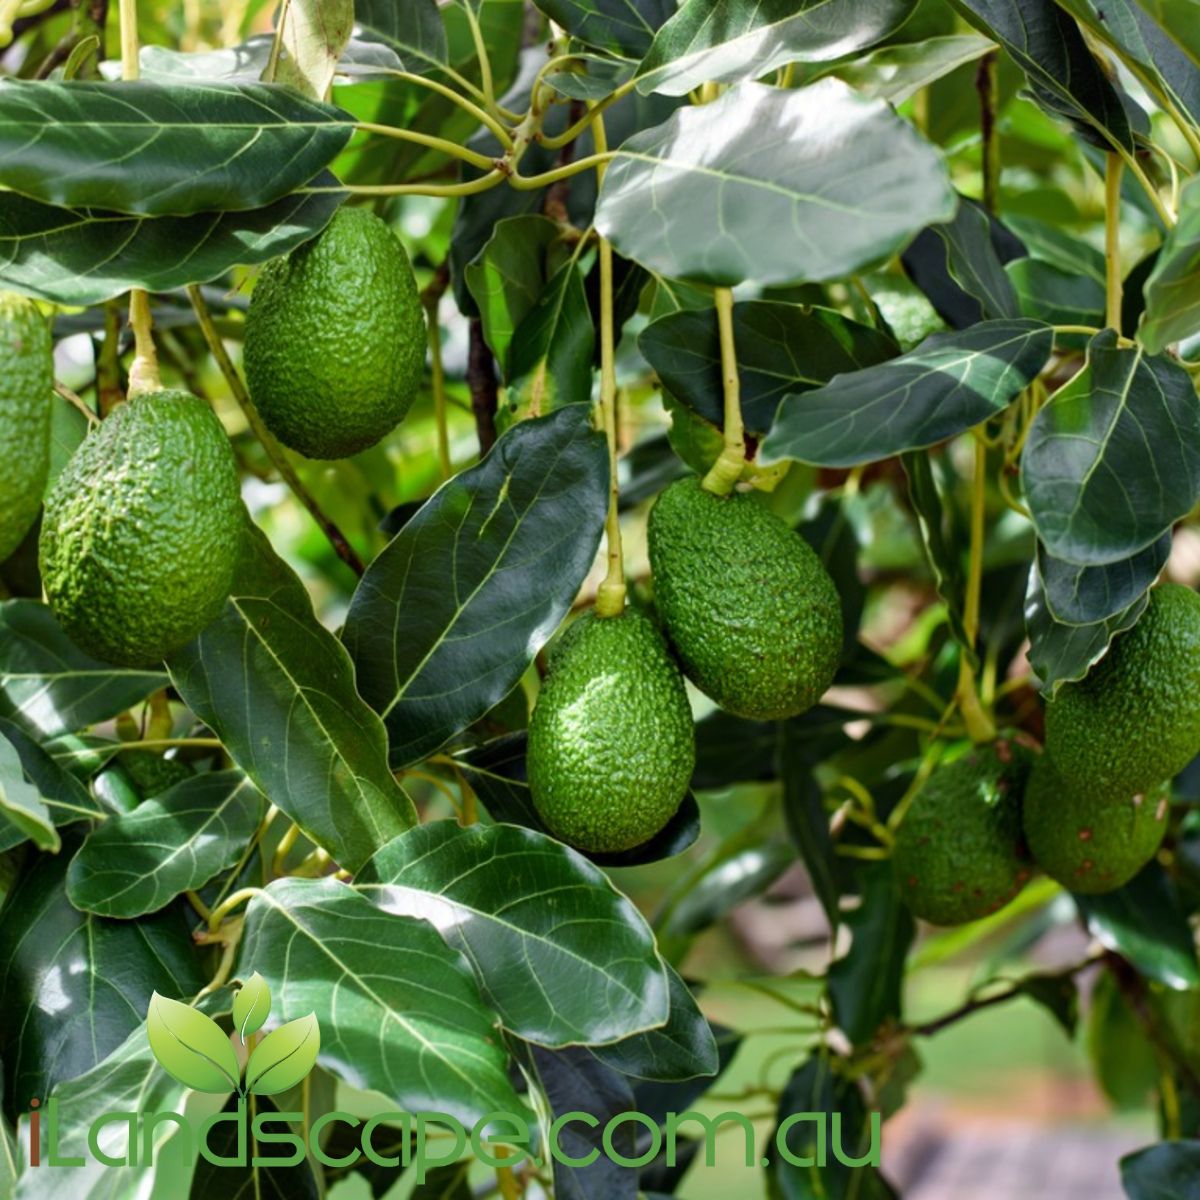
(1168, 1171)
(142, 147)
(948, 384)
(1113, 460)
(897, 71)
(251, 1005)
(138, 862)
(191, 1046)
(314, 34)
(1173, 289)
(848, 179)
(452, 611)
(284, 1057)
(624, 27)
(726, 41)
(557, 951)
(409, 1024)
(414, 30)
(1088, 595)
(48, 686)
(22, 811)
(278, 689)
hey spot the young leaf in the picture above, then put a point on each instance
(251, 1005)
(1173, 289)
(20, 805)
(190, 1046)
(622, 27)
(314, 34)
(284, 1057)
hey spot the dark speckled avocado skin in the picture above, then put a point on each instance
(959, 851)
(142, 529)
(335, 339)
(746, 602)
(611, 743)
(1135, 720)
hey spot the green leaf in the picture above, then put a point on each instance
(1167, 1171)
(85, 256)
(557, 951)
(138, 862)
(1052, 244)
(160, 150)
(896, 72)
(409, 1021)
(251, 1004)
(705, 195)
(278, 689)
(1173, 289)
(1123, 1061)
(414, 30)
(450, 614)
(1049, 294)
(781, 349)
(1088, 595)
(1058, 995)
(1113, 460)
(190, 1046)
(727, 41)
(1179, 19)
(284, 1057)
(314, 34)
(21, 807)
(624, 27)
(948, 384)
(49, 687)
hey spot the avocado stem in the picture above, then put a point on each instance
(727, 470)
(143, 373)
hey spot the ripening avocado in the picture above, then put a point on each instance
(152, 773)
(746, 602)
(1134, 721)
(142, 529)
(959, 852)
(611, 744)
(1088, 841)
(26, 384)
(335, 339)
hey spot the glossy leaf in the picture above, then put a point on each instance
(1087, 595)
(191, 1046)
(158, 150)
(313, 37)
(727, 41)
(414, 30)
(452, 611)
(557, 951)
(284, 1057)
(138, 862)
(251, 1005)
(850, 179)
(1167, 1171)
(278, 689)
(1113, 460)
(409, 1024)
(948, 384)
(624, 27)
(1173, 289)
(21, 808)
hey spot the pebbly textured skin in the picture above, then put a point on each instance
(335, 339)
(1091, 842)
(26, 381)
(959, 851)
(153, 774)
(746, 602)
(611, 743)
(142, 530)
(1134, 721)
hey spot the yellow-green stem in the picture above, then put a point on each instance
(569, 135)
(277, 42)
(222, 910)
(284, 848)
(469, 106)
(980, 727)
(468, 187)
(529, 183)
(482, 161)
(481, 52)
(726, 471)
(1113, 170)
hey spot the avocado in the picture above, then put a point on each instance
(1134, 721)
(142, 529)
(611, 743)
(152, 773)
(26, 384)
(335, 339)
(1087, 841)
(959, 852)
(746, 602)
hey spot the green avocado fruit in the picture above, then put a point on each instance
(959, 851)
(142, 530)
(1087, 841)
(1134, 721)
(153, 774)
(611, 743)
(26, 383)
(746, 602)
(335, 339)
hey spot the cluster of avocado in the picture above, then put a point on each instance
(1092, 810)
(749, 613)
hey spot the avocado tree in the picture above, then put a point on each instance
(487, 488)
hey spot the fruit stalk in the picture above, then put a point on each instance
(726, 471)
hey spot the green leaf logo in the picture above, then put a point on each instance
(284, 1057)
(191, 1047)
(251, 1006)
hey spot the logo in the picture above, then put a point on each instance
(195, 1050)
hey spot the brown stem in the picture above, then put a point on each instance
(555, 203)
(485, 391)
(987, 82)
(109, 392)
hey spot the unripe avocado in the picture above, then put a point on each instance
(746, 602)
(1087, 841)
(142, 529)
(1134, 721)
(611, 743)
(152, 773)
(959, 852)
(26, 382)
(335, 338)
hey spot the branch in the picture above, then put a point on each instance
(485, 392)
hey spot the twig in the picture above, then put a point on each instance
(72, 399)
(485, 392)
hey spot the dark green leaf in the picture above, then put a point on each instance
(1088, 595)
(1049, 294)
(1169, 1171)
(1173, 288)
(1058, 995)
(1113, 460)
(1178, 19)
(450, 614)
(705, 195)
(414, 30)
(557, 951)
(278, 689)
(1123, 1060)
(160, 150)
(948, 384)
(624, 27)
(1052, 244)
(62, 793)
(22, 812)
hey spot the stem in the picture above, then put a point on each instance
(987, 81)
(1113, 169)
(469, 187)
(72, 399)
(482, 161)
(273, 450)
(222, 910)
(483, 117)
(108, 362)
(127, 13)
(164, 742)
(726, 471)
(569, 135)
(202, 909)
(481, 53)
(277, 42)
(979, 725)
(284, 848)
(1135, 169)
(481, 379)
(531, 183)
(143, 374)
